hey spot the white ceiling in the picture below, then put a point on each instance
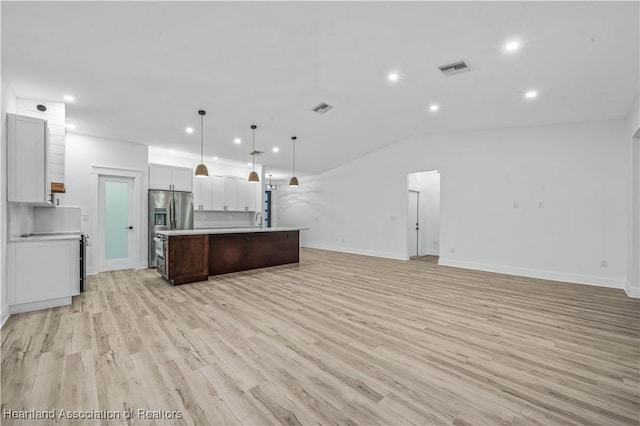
(141, 70)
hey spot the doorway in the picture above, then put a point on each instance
(423, 216)
(116, 223)
(116, 231)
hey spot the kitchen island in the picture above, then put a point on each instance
(192, 255)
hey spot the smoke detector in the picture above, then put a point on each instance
(322, 108)
(455, 68)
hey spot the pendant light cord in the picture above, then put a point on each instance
(202, 139)
(254, 148)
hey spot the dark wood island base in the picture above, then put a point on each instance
(241, 252)
(192, 258)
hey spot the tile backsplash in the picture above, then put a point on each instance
(220, 219)
(21, 219)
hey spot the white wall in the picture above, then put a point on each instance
(7, 105)
(633, 246)
(577, 170)
(86, 151)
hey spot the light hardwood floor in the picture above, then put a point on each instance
(337, 339)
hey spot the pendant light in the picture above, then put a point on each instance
(294, 180)
(253, 176)
(201, 169)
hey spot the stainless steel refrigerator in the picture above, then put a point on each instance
(168, 210)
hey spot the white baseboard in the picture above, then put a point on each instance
(4, 315)
(535, 273)
(632, 291)
(45, 304)
(387, 255)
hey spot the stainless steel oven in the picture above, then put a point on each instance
(161, 243)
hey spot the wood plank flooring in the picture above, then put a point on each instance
(337, 339)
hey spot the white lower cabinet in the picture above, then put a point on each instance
(42, 274)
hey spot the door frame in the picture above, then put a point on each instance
(417, 219)
(97, 264)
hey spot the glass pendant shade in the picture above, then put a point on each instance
(293, 181)
(201, 169)
(253, 177)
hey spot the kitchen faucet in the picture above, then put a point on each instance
(258, 215)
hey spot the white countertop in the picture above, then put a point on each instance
(46, 237)
(224, 231)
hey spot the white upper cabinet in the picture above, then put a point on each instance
(231, 192)
(247, 193)
(170, 178)
(225, 193)
(217, 184)
(182, 179)
(28, 176)
(203, 193)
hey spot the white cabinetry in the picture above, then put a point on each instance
(247, 193)
(203, 193)
(225, 193)
(170, 178)
(51, 283)
(217, 183)
(231, 192)
(181, 179)
(27, 160)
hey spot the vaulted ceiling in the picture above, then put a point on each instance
(141, 70)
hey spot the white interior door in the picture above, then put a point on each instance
(413, 223)
(117, 230)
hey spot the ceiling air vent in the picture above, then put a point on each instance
(322, 108)
(455, 68)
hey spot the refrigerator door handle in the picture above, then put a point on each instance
(172, 213)
(175, 214)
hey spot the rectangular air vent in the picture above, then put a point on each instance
(455, 68)
(322, 108)
(256, 153)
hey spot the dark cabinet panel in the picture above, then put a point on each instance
(188, 258)
(241, 252)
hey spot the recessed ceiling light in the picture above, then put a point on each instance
(249, 164)
(276, 149)
(531, 94)
(215, 158)
(70, 126)
(68, 98)
(173, 151)
(237, 141)
(511, 46)
(393, 76)
(434, 107)
(189, 130)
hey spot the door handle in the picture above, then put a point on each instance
(128, 227)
